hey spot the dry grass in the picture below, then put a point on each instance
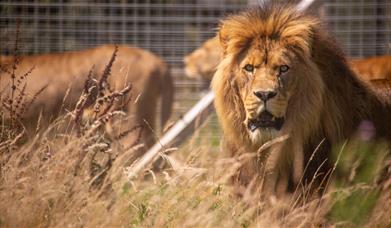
(67, 181)
(59, 179)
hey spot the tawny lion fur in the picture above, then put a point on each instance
(321, 99)
(202, 62)
(148, 74)
(373, 68)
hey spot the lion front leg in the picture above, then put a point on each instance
(283, 169)
(247, 181)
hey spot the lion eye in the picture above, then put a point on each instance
(249, 68)
(283, 69)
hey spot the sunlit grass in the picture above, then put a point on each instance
(37, 190)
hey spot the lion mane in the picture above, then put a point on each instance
(282, 61)
(148, 74)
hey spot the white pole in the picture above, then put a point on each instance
(304, 4)
(198, 113)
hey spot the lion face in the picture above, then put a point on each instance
(264, 76)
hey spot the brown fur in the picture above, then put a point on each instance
(321, 99)
(148, 74)
(373, 68)
(202, 62)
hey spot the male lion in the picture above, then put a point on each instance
(282, 78)
(202, 63)
(148, 74)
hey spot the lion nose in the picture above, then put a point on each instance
(265, 95)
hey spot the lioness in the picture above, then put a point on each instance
(148, 74)
(202, 62)
(373, 68)
(283, 78)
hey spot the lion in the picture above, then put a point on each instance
(284, 82)
(202, 63)
(149, 75)
(373, 68)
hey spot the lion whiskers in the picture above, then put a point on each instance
(254, 110)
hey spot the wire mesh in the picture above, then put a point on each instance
(363, 27)
(171, 29)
